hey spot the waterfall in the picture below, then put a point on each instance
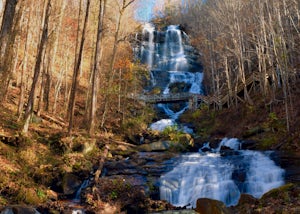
(84, 185)
(172, 64)
(212, 172)
(224, 178)
(148, 44)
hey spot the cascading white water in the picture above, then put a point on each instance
(204, 174)
(224, 178)
(166, 54)
(148, 46)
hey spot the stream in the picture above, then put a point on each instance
(221, 173)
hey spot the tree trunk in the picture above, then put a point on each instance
(75, 81)
(125, 4)
(96, 67)
(7, 25)
(52, 57)
(37, 67)
(24, 67)
(9, 28)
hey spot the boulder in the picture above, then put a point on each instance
(209, 206)
(18, 209)
(247, 199)
(70, 184)
(155, 147)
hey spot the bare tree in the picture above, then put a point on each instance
(37, 68)
(122, 8)
(96, 67)
(75, 81)
(7, 39)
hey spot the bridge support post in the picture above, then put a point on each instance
(193, 102)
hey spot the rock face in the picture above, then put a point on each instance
(70, 184)
(210, 206)
(142, 169)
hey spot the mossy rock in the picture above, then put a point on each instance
(209, 206)
(30, 196)
(278, 193)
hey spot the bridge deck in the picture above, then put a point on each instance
(220, 100)
(157, 98)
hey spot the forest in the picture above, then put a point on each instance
(69, 58)
(69, 79)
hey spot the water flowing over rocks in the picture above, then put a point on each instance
(222, 173)
(173, 67)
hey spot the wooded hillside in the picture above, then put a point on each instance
(71, 59)
(240, 38)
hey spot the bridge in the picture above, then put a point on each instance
(194, 99)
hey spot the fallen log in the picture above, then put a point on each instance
(54, 120)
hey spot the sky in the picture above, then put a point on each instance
(145, 9)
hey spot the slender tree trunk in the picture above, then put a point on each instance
(96, 68)
(52, 57)
(10, 26)
(125, 4)
(37, 68)
(75, 81)
(7, 25)
(24, 67)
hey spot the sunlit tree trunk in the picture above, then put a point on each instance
(75, 80)
(96, 67)
(7, 39)
(7, 25)
(24, 66)
(52, 56)
(37, 67)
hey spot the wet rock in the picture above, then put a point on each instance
(290, 162)
(239, 175)
(209, 206)
(155, 147)
(249, 145)
(225, 151)
(18, 209)
(70, 184)
(214, 143)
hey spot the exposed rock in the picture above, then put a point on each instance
(247, 199)
(209, 206)
(70, 183)
(52, 195)
(155, 147)
(284, 199)
(18, 209)
(249, 144)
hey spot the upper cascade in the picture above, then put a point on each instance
(173, 66)
(167, 51)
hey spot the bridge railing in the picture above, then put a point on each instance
(155, 98)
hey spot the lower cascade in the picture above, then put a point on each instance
(219, 176)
